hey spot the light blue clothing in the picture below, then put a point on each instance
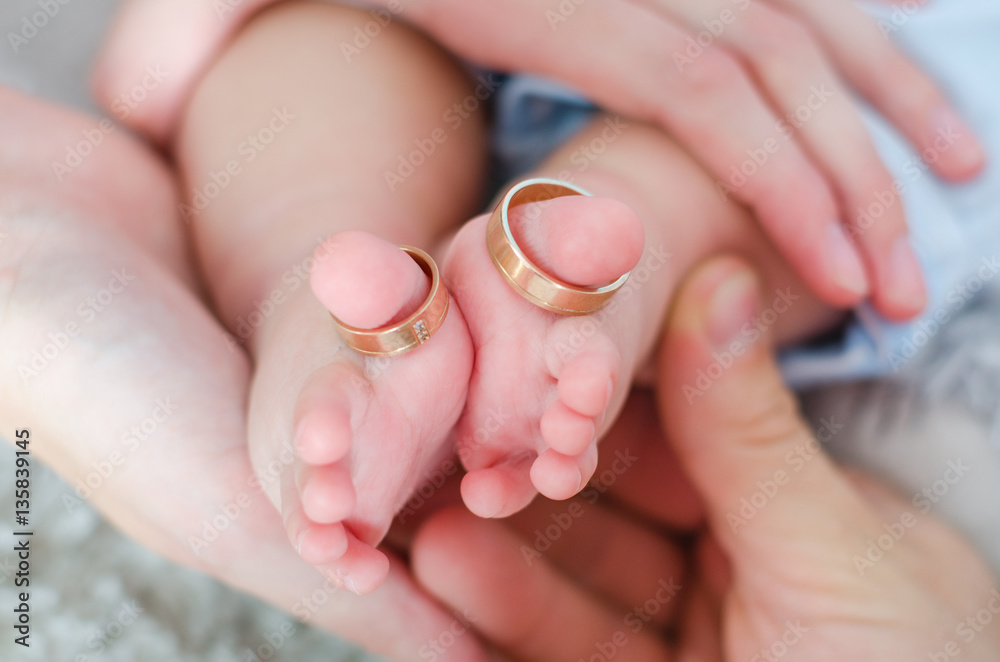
(955, 229)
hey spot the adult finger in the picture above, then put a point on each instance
(188, 491)
(533, 612)
(606, 552)
(760, 469)
(927, 534)
(639, 470)
(710, 104)
(905, 95)
(787, 59)
(701, 632)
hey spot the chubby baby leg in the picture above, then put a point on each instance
(306, 160)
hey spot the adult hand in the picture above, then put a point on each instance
(141, 408)
(725, 77)
(814, 565)
(803, 562)
(132, 391)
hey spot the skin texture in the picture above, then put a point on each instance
(795, 562)
(724, 102)
(61, 242)
(155, 354)
(592, 360)
(285, 232)
(784, 582)
(366, 430)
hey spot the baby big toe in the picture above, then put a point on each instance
(365, 281)
(584, 241)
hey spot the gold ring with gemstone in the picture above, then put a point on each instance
(413, 331)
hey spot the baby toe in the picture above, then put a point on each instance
(315, 543)
(566, 431)
(587, 381)
(559, 476)
(323, 436)
(361, 569)
(327, 493)
(321, 544)
(323, 413)
(500, 490)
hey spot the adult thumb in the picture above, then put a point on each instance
(736, 427)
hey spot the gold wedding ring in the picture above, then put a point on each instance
(412, 332)
(524, 276)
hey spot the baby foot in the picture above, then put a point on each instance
(545, 386)
(364, 430)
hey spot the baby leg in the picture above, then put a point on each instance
(546, 387)
(306, 159)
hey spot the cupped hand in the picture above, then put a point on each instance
(142, 410)
(139, 400)
(758, 90)
(795, 559)
(803, 562)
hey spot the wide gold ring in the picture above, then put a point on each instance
(413, 331)
(525, 277)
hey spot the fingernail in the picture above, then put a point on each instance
(351, 586)
(953, 135)
(298, 542)
(846, 268)
(904, 281)
(732, 305)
